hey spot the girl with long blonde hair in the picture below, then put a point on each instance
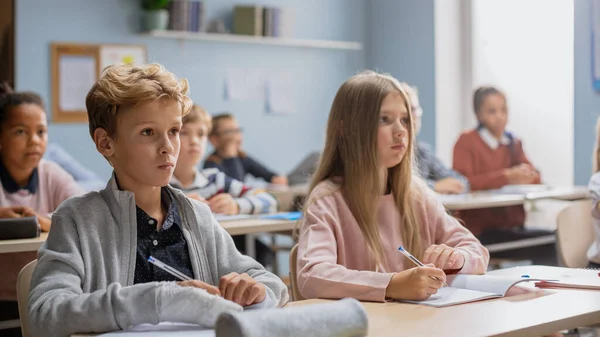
(364, 203)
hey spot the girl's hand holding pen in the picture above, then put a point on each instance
(444, 257)
(416, 284)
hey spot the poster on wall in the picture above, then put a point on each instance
(118, 54)
(596, 44)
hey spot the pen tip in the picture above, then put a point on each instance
(400, 248)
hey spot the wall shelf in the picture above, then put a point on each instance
(263, 40)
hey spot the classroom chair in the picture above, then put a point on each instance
(293, 281)
(23, 281)
(575, 233)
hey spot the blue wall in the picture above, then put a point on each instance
(402, 42)
(276, 140)
(587, 102)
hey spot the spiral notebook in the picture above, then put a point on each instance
(471, 288)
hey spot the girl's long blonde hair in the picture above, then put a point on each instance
(350, 153)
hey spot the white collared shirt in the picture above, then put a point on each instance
(200, 181)
(491, 141)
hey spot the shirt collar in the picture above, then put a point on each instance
(200, 181)
(11, 186)
(490, 140)
(172, 218)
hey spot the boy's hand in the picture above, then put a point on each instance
(223, 203)
(44, 222)
(9, 212)
(279, 180)
(242, 289)
(521, 174)
(449, 186)
(26, 211)
(444, 257)
(200, 285)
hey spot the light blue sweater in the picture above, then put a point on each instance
(84, 278)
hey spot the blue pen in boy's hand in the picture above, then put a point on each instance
(168, 269)
(417, 262)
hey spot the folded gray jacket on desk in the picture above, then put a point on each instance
(343, 318)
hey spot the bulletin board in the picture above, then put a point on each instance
(75, 68)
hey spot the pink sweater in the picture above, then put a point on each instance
(55, 185)
(333, 258)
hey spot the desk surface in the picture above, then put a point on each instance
(487, 199)
(257, 225)
(534, 314)
(458, 202)
(22, 245)
(483, 199)
(237, 227)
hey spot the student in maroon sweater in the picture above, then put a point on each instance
(491, 157)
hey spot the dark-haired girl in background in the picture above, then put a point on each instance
(30, 186)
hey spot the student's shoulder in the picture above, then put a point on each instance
(424, 199)
(327, 191)
(211, 172)
(83, 207)
(200, 209)
(213, 159)
(513, 137)
(51, 169)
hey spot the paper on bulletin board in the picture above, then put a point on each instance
(281, 99)
(245, 84)
(77, 76)
(596, 43)
(116, 54)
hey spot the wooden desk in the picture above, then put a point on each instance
(477, 200)
(482, 199)
(22, 245)
(494, 198)
(534, 314)
(286, 195)
(238, 227)
(257, 225)
(561, 193)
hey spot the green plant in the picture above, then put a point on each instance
(155, 4)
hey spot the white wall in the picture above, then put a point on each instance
(525, 47)
(452, 73)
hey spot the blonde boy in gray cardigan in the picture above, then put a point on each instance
(86, 278)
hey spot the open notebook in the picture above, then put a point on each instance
(470, 288)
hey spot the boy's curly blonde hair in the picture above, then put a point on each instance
(127, 86)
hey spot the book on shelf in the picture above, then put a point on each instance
(187, 16)
(263, 21)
